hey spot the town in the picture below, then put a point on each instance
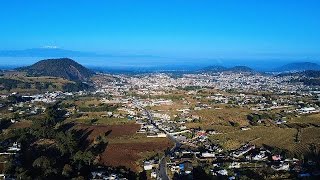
(159, 90)
(222, 124)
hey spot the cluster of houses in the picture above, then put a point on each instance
(150, 129)
(26, 108)
(161, 83)
(11, 151)
(106, 175)
(308, 110)
(225, 163)
(150, 164)
(198, 147)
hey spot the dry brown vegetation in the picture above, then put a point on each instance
(125, 147)
(313, 119)
(271, 136)
(283, 138)
(21, 124)
(130, 154)
(224, 116)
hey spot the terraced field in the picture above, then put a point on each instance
(307, 119)
(271, 136)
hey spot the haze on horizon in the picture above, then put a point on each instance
(168, 31)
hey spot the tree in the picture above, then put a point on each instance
(67, 170)
(83, 158)
(45, 165)
(143, 175)
(66, 142)
(54, 115)
(23, 174)
(42, 162)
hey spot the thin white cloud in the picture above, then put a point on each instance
(50, 47)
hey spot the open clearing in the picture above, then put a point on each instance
(125, 146)
(224, 115)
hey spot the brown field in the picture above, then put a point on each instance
(125, 146)
(21, 124)
(131, 155)
(103, 121)
(115, 130)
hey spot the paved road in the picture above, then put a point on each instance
(162, 171)
(163, 175)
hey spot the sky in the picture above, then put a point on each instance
(168, 28)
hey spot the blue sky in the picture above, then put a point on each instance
(185, 28)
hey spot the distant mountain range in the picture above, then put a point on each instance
(216, 68)
(298, 67)
(292, 67)
(62, 67)
(225, 69)
(54, 52)
(240, 69)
